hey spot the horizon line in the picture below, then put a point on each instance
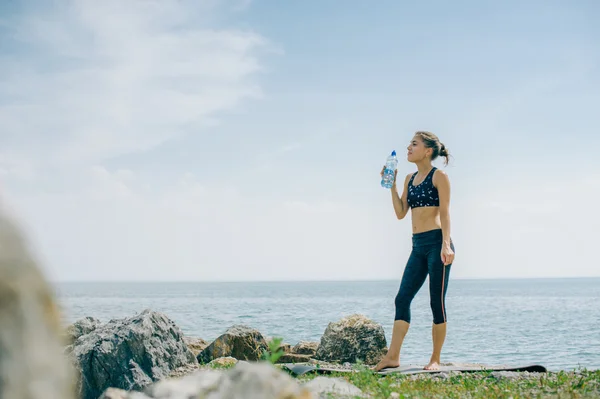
(315, 281)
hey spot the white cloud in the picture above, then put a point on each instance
(96, 79)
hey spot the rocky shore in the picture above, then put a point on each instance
(147, 355)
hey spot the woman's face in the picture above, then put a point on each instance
(416, 150)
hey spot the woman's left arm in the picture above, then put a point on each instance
(442, 183)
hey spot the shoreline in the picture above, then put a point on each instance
(148, 350)
(385, 280)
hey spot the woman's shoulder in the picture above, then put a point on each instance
(440, 175)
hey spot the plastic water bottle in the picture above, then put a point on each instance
(388, 173)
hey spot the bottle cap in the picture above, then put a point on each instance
(394, 153)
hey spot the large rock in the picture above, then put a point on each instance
(305, 348)
(32, 364)
(352, 339)
(129, 353)
(240, 342)
(81, 327)
(247, 380)
(327, 387)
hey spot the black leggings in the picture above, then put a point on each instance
(425, 259)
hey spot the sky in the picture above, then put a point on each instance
(238, 140)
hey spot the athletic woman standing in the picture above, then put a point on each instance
(427, 193)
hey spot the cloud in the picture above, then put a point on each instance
(90, 80)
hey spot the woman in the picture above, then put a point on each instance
(427, 193)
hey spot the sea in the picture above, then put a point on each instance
(553, 322)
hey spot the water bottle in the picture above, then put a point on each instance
(388, 173)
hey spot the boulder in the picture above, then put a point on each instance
(259, 380)
(195, 344)
(240, 342)
(326, 387)
(129, 354)
(293, 358)
(81, 327)
(305, 348)
(352, 339)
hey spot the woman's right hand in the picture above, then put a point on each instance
(395, 175)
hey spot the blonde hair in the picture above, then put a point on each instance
(432, 141)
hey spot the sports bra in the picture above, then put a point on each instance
(424, 194)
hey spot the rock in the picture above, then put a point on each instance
(32, 364)
(240, 341)
(81, 327)
(325, 387)
(293, 358)
(116, 393)
(511, 375)
(190, 386)
(305, 348)
(284, 346)
(255, 380)
(352, 339)
(184, 370)
(129, 353)
(195, 344)
(442, 375)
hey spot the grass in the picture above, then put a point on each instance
(552, 385)
(580, 384)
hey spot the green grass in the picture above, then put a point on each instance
(552, 385)
(584, 384)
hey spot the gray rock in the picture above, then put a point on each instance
(81, 327)
(239, 341)
(293, 358)
(254, 380)
(116, 393)
(354, 338)
(189, 386)
(128, 353)
(325, 387)
(305, 348)
(32, 364)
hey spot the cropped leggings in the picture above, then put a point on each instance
(425, 259)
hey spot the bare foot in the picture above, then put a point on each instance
(433, 365)
(386, 363)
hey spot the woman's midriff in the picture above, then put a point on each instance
(425, 219)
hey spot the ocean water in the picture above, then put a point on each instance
(554, 322)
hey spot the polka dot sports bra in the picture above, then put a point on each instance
(424, 194)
